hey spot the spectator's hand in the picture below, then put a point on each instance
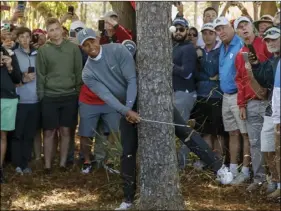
(34, 45)
(132, 117)
(6, 60)
(180, 8)
(243, 114)
(17, 14)
(27, 77)
(74, 17)
(199, 52)
(215, 78)
(110, 23)
(65, 17)
(252, 58)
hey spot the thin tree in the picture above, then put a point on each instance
(159, 178)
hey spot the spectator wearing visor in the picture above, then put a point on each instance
(230, 110)
(184, 69)
(251, 100)
(264, 73)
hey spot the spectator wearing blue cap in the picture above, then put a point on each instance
(185, 65)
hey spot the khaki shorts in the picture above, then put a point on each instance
(230, 114)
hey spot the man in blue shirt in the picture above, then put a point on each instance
(230, 110)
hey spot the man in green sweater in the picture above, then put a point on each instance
(59, 68)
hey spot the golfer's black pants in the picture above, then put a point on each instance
(129, 141)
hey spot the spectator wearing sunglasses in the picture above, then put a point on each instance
(185, 65)
(193, 36)
(265, 73)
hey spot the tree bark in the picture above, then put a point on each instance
(159, 179)
(268, 8)
(126, 13)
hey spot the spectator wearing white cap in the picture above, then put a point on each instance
(114, 32)
(230, 110)
(251, 103)
(265, 73)
(208, 109)
(263, 23)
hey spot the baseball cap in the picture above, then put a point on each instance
(272, 33)
(85, 34)
(208, 26)
(39, 31)
(77, 25)
(239, 20)
(264, 18)
(109, 14)
(180, 21)
(221, 21)
(130, 45)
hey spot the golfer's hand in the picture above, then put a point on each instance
(132, 117)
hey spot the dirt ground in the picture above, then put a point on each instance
(74, 191)
(103, 191)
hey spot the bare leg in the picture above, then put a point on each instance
(3, 146)
(86, 146)
(48, 138)
(56, 143)
(38, 145)
(246, 151)
(277, 151)
(234, 146)
(208, 139)
(65, 135)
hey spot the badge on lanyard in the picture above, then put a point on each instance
(230, 55)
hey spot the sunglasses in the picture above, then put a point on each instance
(273, 32)
(180, 29)
(192, 35)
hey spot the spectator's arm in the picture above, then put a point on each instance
(16, 75)
(189, 63)
(121, 33)
(240, 79)
(78, 66)
(41, 67)
(127, 65)
(103, 92)
(263, 73)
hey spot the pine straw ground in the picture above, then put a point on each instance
(74, 191)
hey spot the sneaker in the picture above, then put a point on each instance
(241, 178)
(254, 186)
(271, 187)
(2, 179)
(27, 171)
(124, 206)
(86, 168)
(19, 171)
(224, 175)
(275, 195)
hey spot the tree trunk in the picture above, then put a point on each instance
(195, 13)
(256, 10)
(126, 13)
(268, 8)
(159, 179)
